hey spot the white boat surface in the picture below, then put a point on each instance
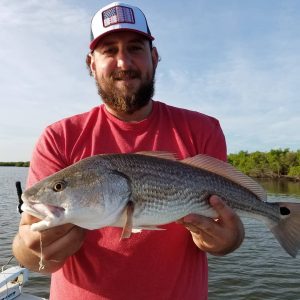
(11, 284)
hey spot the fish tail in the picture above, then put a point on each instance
(287, 230)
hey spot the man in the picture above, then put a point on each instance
(95, 264)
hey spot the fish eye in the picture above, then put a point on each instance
(59, 186)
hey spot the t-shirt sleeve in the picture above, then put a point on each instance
(46, 158)
(216, 144)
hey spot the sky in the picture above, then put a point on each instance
(238, 61)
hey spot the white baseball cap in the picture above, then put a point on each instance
(118, 16)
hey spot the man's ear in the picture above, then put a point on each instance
(155, 57)
(92, 64)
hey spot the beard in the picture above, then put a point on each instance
(122, 99)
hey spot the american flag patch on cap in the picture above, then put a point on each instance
(116, 15)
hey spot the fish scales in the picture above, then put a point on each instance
(164, 186)
(155, 191)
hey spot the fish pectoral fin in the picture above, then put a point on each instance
(127, 228)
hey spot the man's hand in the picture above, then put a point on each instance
(58, 243)
(216, 236)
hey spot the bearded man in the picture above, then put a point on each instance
(95, 264)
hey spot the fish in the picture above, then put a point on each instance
(143, 191)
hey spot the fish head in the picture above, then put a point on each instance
(87, 197)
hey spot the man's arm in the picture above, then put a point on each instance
(220, 236)
(56, 244)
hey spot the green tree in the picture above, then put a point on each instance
(294, 172)
(275, 163)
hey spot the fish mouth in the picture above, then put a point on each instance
(41, 211)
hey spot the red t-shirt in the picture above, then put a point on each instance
(149, 265)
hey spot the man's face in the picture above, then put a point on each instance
(124, 66)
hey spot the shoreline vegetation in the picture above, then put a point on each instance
(275, 164)
(15, 164)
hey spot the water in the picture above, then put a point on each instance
(9, 221)
(258, 270)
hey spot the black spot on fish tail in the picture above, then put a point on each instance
(287, 229)
(284, 211)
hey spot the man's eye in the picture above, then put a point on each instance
(109, 51)
(136, 48)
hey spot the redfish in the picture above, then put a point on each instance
(145, 190)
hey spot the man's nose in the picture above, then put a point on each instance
(124, 60)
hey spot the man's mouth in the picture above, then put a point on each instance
(125, 75)
(125, 78)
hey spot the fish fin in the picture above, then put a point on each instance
(287, 230)
(127, 228)
(159, 154)
(146, 227)
(226, 170)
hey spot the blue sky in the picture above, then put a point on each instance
(238, 61)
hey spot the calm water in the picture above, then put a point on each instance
(260, 269)
(9, 221)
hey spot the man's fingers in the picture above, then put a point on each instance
(216, 203)
(226, 216)
(224, 212)
(200, 224)
(70, 242)
(51, 239)
(30, 238)
(55, 243)
(52, 234)
(27, 219)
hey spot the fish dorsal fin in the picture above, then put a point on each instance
(226, 170)
(159, 154)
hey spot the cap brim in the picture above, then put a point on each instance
(95, 42)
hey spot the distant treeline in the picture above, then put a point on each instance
(15, 164)
(273, 164)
